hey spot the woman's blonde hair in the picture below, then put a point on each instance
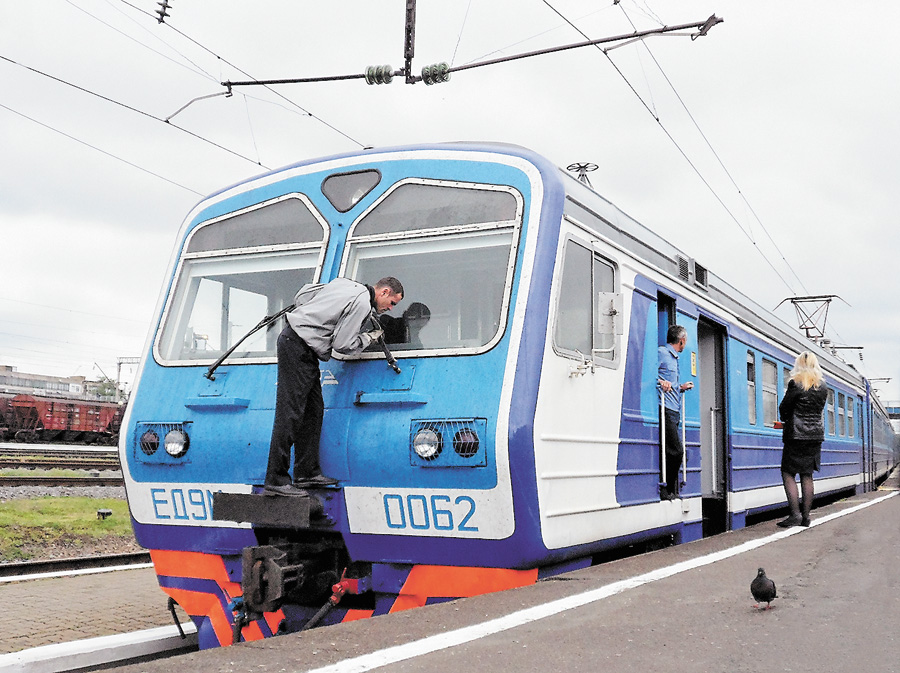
(806, 372)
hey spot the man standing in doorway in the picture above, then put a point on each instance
(669, 381)
(327, 317)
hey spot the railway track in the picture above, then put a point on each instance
(65, 458)
(62, 565)
(11, 448)
(59, 481)
(10, 462)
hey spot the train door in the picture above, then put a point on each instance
(665, 318)
(713, 445)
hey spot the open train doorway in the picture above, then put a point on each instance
(713, 445)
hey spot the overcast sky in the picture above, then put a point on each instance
(768, 150)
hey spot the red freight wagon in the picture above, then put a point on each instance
(52, 419)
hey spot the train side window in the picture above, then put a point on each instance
(851, 425)
(751, 387)
(769, 393)
(842, 428)
(588, 312)
(829, 411)
(785, 379)
(573, 311)
(607, 310)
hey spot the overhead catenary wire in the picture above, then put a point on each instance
(129, 108)
(197, 69)
(232, 65)
(461, 30)
(72, 310)
(731, 179)
(718, 159)
(677, 146)
(102, 151)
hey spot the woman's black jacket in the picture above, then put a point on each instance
(801, 413)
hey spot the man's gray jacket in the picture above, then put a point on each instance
(333, 316)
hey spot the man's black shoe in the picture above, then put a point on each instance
(284, 489)
(315, 480)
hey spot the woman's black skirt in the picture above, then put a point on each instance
(801, 457)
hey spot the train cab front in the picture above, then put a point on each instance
(419, 450)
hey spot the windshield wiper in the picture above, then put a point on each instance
(265, 322)
(268, 320)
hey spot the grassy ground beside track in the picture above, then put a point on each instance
(31, 527)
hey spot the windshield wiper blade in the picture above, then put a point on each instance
(265, 322)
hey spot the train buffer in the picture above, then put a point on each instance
(269, 510)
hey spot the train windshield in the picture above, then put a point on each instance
(452, 245)
(235, 271)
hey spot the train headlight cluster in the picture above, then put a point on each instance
(161, 443)
(176, 443)
(428, 443)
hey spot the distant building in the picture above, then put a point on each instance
(893, 409)
(14, 382)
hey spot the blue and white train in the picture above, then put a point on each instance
(520, 437)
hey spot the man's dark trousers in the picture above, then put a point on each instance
(299, 410)
(674, 450)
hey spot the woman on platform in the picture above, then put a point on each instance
(803, 433)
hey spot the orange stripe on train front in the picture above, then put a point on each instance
(273, 619)
(353, 615)
(191, 564)
(202, 603)
(426, 582)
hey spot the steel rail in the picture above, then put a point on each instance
(60, 481)
(78, 563)
(46, 463)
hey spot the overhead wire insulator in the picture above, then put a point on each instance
(436, 73)
(161, 12)
(379, 74)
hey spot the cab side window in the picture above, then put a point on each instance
(588, 312)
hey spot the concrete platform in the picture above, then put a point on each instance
(685, 608)
(41, 612)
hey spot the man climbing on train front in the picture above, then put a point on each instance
(669, 382)
(335, 316)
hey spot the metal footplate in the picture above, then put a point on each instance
(274, 511)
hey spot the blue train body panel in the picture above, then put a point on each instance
(535, 368)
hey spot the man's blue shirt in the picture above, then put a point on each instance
(668, 371)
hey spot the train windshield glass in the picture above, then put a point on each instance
(232, 276)
(453, 249)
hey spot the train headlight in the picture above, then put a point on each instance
(465, 443)
(176, 443)
(149, 442)
(428, 443)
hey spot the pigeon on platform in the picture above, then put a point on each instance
(762, 588)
